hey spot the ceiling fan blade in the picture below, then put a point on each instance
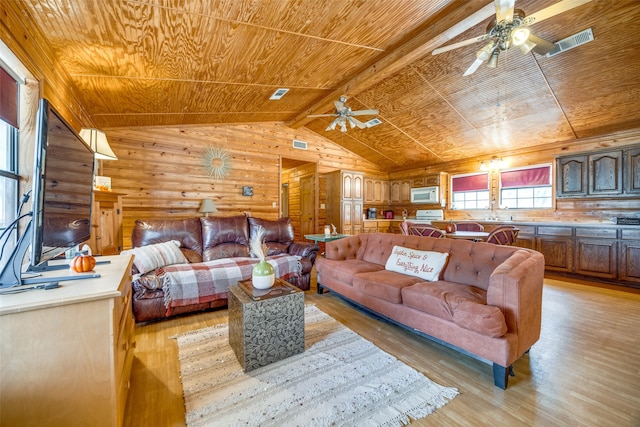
(553, 10)
(364, 113)
(459, 44)
(472, 69)
(356, 122)
(504, 10)
(542, 46)
(322, 115)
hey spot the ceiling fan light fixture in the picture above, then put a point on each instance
(526, 47)
(493, 61)
(519, 36)
(484, 53)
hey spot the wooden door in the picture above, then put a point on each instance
(307, 205)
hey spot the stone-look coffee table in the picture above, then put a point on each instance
(266, 330)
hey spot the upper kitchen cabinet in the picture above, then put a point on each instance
(605, 173)
(599, 174)
(632, 171)
(376, 191)
(572, 176)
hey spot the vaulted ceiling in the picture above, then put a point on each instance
(182, 62)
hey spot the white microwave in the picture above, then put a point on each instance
(425, 195)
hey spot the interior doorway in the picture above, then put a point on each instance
(299, 195)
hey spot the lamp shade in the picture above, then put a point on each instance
(97, 140)
(207, 206)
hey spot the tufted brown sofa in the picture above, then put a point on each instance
(211, 238)
(487, 300)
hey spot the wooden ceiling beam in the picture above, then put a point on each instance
(443, 27)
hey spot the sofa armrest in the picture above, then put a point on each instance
(304, 249)
(515, 287)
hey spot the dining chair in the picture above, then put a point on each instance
(503, 235)
(469, 226)
(425, 230)
(404, 227)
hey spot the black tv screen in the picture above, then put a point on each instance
(62, 187)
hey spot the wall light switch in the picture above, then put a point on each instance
(274, 204)
(322, 206)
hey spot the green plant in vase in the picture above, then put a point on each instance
(263, 275)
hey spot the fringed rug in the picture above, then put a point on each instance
(340, 379)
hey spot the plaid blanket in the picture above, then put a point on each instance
(186, 284)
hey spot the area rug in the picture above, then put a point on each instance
(340, 379)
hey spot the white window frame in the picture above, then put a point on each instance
(470, 197)
(528, 192)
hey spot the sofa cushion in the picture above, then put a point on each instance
(427, 265)
(150, 257)
(384, 284)
(225, 237)
(441, 299)
(344, 270)
(278, 234)
(186, 231)
(484, 319)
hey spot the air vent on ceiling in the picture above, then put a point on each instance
(279, 93)
(301, 145)
(570, 42)
(373, 122)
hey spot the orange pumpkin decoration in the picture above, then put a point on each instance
(83, 263)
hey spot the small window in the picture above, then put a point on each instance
(526, 188)
(470, 191)
(9, 178)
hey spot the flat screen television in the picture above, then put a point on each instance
(61, 197)
(62, 187)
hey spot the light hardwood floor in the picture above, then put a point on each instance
(584, 370)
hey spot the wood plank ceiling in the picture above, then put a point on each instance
(184, 62)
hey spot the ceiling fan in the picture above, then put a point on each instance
(344, 115)
(509, 28)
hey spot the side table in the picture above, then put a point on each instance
(265, 330)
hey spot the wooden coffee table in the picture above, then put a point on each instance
(266, 328)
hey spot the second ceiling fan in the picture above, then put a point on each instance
(509, 28)
(344, 115)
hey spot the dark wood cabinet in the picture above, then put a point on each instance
(605, 173)
(597, 258)
(629, 259)
(632, 171)
(614, 173)
(572, 176)
(557, 251)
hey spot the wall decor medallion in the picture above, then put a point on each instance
(216, 162)
(247, 191)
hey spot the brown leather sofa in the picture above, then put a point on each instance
(487, 300)
(206, 239)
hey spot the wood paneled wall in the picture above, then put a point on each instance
(160, 169)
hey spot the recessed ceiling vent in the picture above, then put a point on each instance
(570, 42)
(300, 145)
(373, 122)
(279, 93)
